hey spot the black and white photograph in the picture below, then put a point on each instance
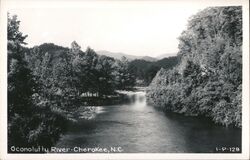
(138, 79)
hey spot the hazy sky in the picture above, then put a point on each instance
(140, 28)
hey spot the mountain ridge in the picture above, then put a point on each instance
(119, 55)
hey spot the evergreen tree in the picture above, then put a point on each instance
(20, 85)
(31, 121)
(123, 78)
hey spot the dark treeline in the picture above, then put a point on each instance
(47, 81)
(208, 80)
(145, 71)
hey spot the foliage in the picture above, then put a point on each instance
(77, 72)
(146, 70)
(48, 81)
(31, 122)
(123, 78)
(208, 79)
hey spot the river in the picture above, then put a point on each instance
(136, 127)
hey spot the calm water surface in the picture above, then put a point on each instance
(140, 128)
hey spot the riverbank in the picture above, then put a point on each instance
(89, 107)
(105, 100)
(169, 99)
(136, 127)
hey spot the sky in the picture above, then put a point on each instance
(135, 28)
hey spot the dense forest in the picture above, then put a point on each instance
(144, 71)
(208, 79)
(47, 81)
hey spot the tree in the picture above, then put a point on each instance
(123, 78)
(209, 74)
(20, 84)
(31, 121)
(105, 69)
(145, 71)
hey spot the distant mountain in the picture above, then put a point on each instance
(119, 55)
(116, 55)
(166, 55)
(148, 58)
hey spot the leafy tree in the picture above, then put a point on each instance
(144, 71)
(31, 121)
(123, 78)
(208, 78)
(20, 84)
(105, 68)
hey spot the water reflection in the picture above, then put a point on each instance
(202, 135)
(139, 128)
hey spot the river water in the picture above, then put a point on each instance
(136, 127)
